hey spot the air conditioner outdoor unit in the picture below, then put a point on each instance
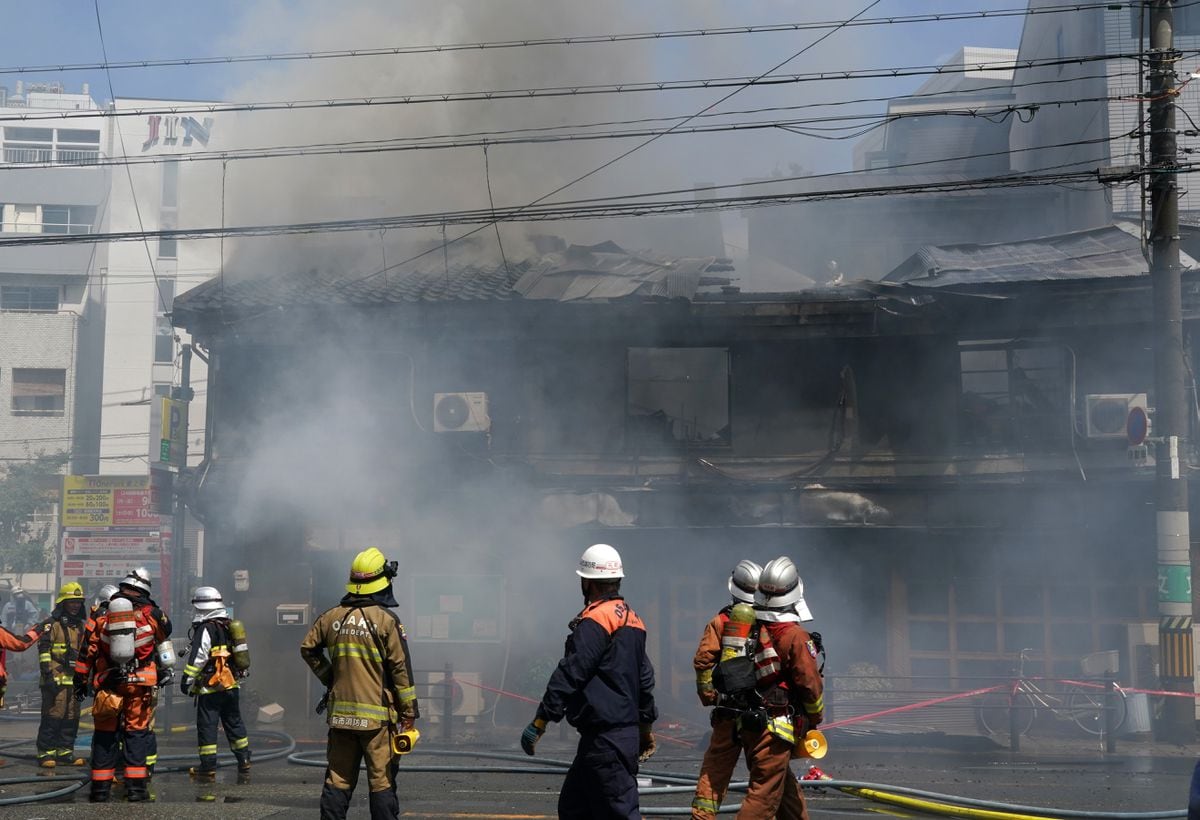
(466, 700)
(1105, 413)
(461, 413)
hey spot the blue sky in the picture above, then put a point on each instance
(64, 31)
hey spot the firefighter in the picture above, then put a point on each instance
(211, 677)
(369, 686)
(14, 643)
(58, 649)
(791, 692)
(604, 686)
(119, 664)
(724, 747)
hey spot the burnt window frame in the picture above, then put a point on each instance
(640, 442)
(1057, 435)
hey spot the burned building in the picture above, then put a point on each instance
(943, 453)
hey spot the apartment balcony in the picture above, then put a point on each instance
(45, 155)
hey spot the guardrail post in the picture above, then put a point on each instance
(447, 702)
(1014, 723)
(1110, 713)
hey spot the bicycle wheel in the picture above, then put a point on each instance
(1085, 706)
(992, 713)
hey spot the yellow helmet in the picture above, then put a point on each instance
(68, 591)
(370, 572)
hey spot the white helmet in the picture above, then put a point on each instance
(205, 599)
(138, 579)
(600, 561)
(780, 587)
(16, 589)
(743, 582)
(105, 592)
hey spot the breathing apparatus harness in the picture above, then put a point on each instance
(738, 679)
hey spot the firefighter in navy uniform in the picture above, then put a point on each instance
(60, 639)
(724, 747)
(604, 686)
(359, 652)
(212, 678)
(791, 691)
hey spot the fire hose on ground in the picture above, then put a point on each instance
(916, 799)
(184, 761)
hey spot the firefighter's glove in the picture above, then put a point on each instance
(532, 734)
(46, 680)
(185, 685)
(407, 724)
(646, 744)
(80, 692)
(707, 693)
(166, 677)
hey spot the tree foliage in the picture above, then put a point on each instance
(27, 488)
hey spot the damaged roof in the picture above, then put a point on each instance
(595, 272)
(1112, 251)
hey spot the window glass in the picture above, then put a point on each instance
(164, 341)
(170, 186)
(37, 390)
(167, 246)
(56, 219)
(29, 298)
(78, 135)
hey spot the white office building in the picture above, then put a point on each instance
(1089, 111)
(51, 298)
(160, 189)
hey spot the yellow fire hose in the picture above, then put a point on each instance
(935, 807)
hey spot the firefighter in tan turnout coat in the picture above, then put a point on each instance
(359, 652)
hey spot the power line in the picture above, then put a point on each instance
(587, 39)
(654, 86)
(497, 135)
(128, 174)
(510, 213)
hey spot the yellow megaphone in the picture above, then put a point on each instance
(814, 744)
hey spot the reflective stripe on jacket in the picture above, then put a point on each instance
(210, 639)
(58, 647)
(343, 650)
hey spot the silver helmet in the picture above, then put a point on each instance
(206, 598)
(103, 594)
(138, 579)
(207, 604)
(780, 588)
(743, 581)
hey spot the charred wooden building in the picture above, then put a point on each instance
(943, 452)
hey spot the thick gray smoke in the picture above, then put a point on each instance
(325, 451)
(337, 187)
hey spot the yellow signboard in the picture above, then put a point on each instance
(95, 501)
(169, 423)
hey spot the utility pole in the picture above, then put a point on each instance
(179, 571)
(1175, 599)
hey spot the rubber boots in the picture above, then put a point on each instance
(243, 761)
(101, 791)
(335, 803)
(136, 790)
(384, 805)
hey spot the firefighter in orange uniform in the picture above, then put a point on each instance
(14, 643)
(724, 748)
(791, 692)
(120, 665)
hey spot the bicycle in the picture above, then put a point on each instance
(1081, 703)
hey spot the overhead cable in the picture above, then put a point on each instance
(578, 40)
(655, 86)
(612, 207)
